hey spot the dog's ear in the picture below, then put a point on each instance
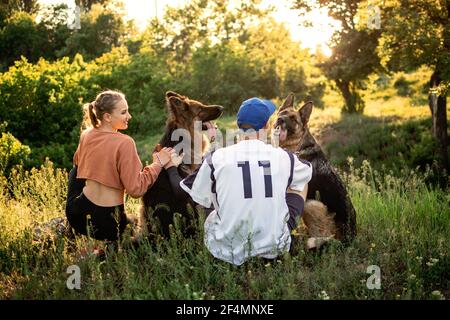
(173, 94)
(175, 103)
(305, 112)
(288, 102)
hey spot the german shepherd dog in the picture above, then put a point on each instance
(160, 198)
(334, 214)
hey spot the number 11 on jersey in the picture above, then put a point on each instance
(247, 180)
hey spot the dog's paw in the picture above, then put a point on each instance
(317, 242)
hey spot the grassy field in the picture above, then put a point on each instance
(403, 228)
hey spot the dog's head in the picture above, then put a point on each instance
(183, 112)
(292, 124)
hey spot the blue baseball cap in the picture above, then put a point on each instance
(255, 112)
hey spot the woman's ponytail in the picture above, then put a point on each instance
(92, 116)
(94, 111)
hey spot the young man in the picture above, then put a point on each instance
(257, 191)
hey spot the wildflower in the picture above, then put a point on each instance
(418, 258)
(412, 276)
(432, 262)
(324, 295)
(267, 265)
(436, 294)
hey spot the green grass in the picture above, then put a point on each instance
(403, 227)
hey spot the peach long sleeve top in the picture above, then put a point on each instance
(111, 159)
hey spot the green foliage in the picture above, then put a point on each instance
(28, 6)
(41, 104)
(354, 55)
(198, 24)
(12, 153)
(403, 87)
(270, 43)
(384, 142)
(353, 60)
(101, 30)
(220, 69)
(87, 4)
(416, 35)
(22, 36)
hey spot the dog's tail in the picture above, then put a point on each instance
(318, 221)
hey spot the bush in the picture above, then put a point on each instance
(22, 36)
(41, 103)
(403, 87)
(221, 75)
(12, 153)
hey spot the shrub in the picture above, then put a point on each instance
(12, 153)
(403, 87)
(41, 103)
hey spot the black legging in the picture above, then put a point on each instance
(104, 223)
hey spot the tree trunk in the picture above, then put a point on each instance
(438, 107)
(353, 102)
(344, 87)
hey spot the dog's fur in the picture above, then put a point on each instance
(160, 198)
(334, 213)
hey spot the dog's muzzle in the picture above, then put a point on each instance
(280, 129)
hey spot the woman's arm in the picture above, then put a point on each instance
(135, 179)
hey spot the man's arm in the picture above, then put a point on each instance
(296, 193)
(300, 193)
(199, 184)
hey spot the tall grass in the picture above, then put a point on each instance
(403, 227)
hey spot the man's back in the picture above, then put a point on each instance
(247, 184)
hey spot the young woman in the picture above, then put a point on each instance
(106, 166)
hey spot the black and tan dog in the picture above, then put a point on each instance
(339, 220)
(183, 114)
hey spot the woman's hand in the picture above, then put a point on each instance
(162, 157)
(175, 159)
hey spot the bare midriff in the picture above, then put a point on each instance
(102, 195)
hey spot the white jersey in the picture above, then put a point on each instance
(247, 183)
